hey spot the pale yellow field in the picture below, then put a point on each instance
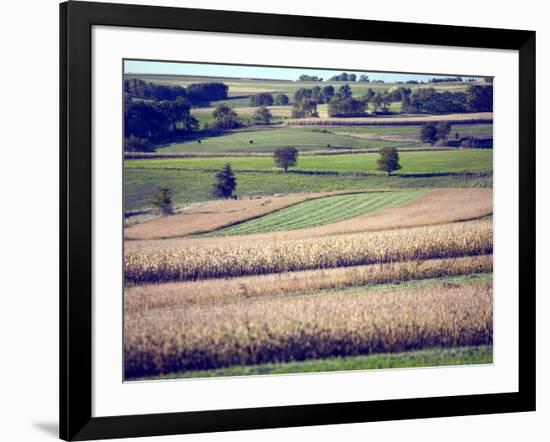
(214, 291)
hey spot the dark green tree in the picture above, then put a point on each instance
(261, 99)
(443, 130)
(405, 103)
(226, 118)
(162, 200)
(226, 182)
(386, 101)
(286, 157)
(369, 95)
(280, 100)
(346, 107)
(304, 108)
(389, 160)
(136, 144)
(344, 91)
(261, 116)
(327, 93)
(342, 77)
(305, 77)
(480, 98)
(377, 101)
(428, 133)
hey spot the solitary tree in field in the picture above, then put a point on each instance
(261, 116)
(226, 183)
(286, 157)
(389, 160)
(162, 200)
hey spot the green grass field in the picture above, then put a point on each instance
(319, 211)
(482, 354)
(190, 186)
(424, 162)
(269, 138)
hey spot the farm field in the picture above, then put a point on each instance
(422, 162)
(432, 207)
(347, 322)
(220, 259)
(396, 120)
(194, 186)
(408, 131)
(260, 244)
(268, 139)
(319, 211)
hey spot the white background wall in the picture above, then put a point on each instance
(29, 218)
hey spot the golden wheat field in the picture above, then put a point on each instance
(377, 283)
(187, 293)
(318, 325)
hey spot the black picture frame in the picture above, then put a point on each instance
(76, 21)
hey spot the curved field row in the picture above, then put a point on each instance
(210, 215)
(319, 212)
(230, 259)
(355, 321)
(220, 291)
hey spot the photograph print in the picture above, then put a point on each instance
(283, 220)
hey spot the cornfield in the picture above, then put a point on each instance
(189, 293)
(295, 328)
(219, 259)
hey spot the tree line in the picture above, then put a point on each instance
(341, 102)
(154, 112)
(477, 98)
(344, 76)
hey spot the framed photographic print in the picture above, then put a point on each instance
(272, 220)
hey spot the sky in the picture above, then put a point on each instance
(241, 71)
